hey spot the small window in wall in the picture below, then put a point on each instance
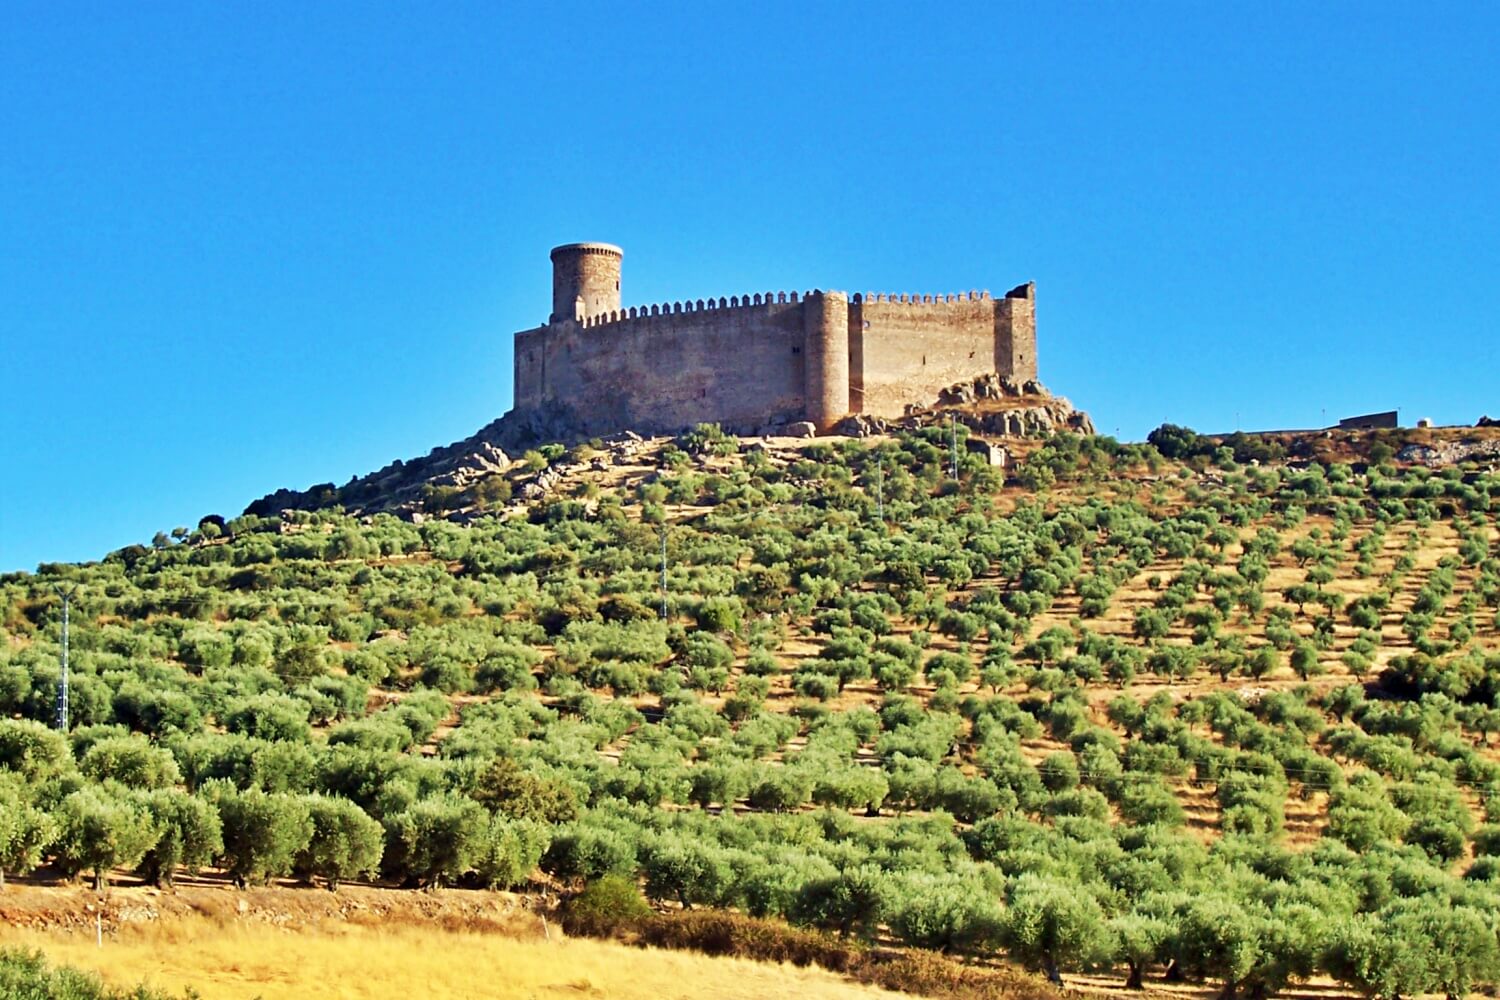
(796, 350)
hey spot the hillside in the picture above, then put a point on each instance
(1223, 715)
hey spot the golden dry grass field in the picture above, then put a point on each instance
(370, 945)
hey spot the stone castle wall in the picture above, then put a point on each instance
(657, 370)
(760, 360)
(904, 349)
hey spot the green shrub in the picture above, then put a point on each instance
(26, 975)
(607, 907)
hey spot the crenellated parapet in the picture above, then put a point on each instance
(769, 298)
(930, 300)
(689, 306)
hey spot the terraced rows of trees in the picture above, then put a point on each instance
(1201, 716)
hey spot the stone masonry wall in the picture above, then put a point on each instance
(740, 366)
(765, 360)
(903, 353)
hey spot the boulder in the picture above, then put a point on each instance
(860, 425)
(800, 429)
(956, 395)
(992, 453)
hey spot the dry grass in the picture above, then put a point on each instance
(910, 971)
(341, 960)
(370, 944)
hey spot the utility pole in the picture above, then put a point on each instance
(61, 719)
(664, 571)
(953, 445)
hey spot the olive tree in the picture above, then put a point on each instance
(1053, 924)
(946, 913)
(1218, 936)
(102, 828)
(435, 840)
(345, 842)
(189, 835)
(25, 830)
(132, 761)
(512, 850)
(852, 901)
(584, 851)
(263, 831)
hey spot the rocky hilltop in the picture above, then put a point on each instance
(994, 406)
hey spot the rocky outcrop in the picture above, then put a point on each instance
(456, 467)
(1443, 453)
(994, 405)
(860, 425)
(990, 386)
(1000, 406)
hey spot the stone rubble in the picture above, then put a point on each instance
(1450, 453)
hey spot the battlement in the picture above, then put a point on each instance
(688, 306)
(780, 298)
(923, 300)
(749, 361)
(606, 249)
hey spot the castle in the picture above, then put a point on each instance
(753, 362)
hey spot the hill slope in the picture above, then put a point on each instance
(1223, 720)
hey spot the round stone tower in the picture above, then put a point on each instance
(825, 345)
(585, 280)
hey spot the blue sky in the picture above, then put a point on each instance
(252, 246)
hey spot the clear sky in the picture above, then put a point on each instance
(262, 245)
